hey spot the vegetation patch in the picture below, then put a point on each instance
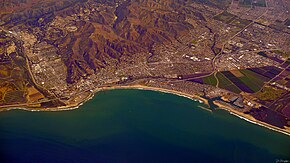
(240, 23)
(225, 83)
(259, 80)
(210, 80)
(225, 17)
(245, 3)
(252, 85)
(12, 97)
(260, 3)
(242, 86)
(269, 93)
(4, 71)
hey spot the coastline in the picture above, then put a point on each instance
(197, 98)
(250, 119)
(142, 87)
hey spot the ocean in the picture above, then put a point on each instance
(137, 126)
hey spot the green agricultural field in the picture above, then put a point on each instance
(225, 83)
(210, 80)
(225, 17)
(270, 93)
(261, 3)
(250, 83)
(245, 3)
(259, 80)
(240, 23)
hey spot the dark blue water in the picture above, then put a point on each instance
(136, 126)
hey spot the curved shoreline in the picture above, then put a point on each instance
(193, 97)
(251, 119)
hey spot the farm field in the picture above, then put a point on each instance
(257, 78)
(210, 80)
(240, 23)
(15, 84)
(225, 17)
(246, 80)
(238, 82)
(260, 3)
(245, 3)
(268, 71)
(225, 83)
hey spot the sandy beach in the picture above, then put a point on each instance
(251, 119)
(142, 87)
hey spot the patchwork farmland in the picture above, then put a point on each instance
(266, 85)
(246, 80)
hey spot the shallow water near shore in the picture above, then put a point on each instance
(137, 126)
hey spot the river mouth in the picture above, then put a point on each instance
(136, 126)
